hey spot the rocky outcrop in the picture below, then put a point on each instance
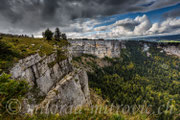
(172, 50)
(99, 48)
(56, 81)
(42, 72)
(72, 91)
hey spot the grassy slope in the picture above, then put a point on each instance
(15, 48)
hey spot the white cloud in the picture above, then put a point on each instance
(80, 29)
(139, 26)
(127, 27)
(144, 25)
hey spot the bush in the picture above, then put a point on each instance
(11, 89)
(8, 53)
(61, 55)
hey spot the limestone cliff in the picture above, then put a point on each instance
(99, 48)
(112, 48)
(55, 82)
(71, 92)
(172, 50)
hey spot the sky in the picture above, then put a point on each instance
(91, 18)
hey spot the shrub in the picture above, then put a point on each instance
(11, 89)
(61, 55)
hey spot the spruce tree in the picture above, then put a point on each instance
(48, 34)
(64, 37)
(57, 34)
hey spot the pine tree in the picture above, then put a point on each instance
(48, 34)
(57, 34)
(64, 37)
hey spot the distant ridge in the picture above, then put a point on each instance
(158, 38)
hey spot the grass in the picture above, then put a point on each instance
(14, 48)
(169, 41)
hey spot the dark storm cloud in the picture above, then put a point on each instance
(130, 26)
(49, 9)
(34, 15)
(6, 11)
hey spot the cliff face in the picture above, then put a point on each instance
(38, 72)
(71, 92)
(57, 82)
(111, 48)
(172, 50)
(99, 48)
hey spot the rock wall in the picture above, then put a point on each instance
(71, 92)
(99, 48)
(172, 50)
(37, 71)
(56, 81)
(111, 48)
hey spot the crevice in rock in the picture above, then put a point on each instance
(34, 75)
(37, 70)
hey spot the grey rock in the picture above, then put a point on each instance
(29, 76)
(61, 85)
(172, 50)
(71, 92)
(99, 48)
(36, 71)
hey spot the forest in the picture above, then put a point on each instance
(136, 78)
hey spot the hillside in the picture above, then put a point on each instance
(14, 48)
